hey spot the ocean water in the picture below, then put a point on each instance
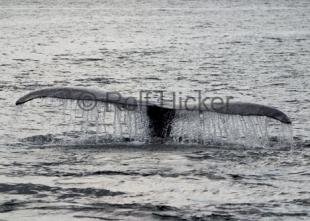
(254, 51)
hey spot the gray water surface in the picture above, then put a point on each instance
(257, 51)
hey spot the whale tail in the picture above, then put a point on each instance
(160, 118)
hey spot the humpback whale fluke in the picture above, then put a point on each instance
(160, 118)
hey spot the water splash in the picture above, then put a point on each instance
(108, 123)
(211, 127)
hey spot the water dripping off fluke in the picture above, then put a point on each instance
(109, 123)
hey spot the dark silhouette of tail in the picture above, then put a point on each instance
(160, 120)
